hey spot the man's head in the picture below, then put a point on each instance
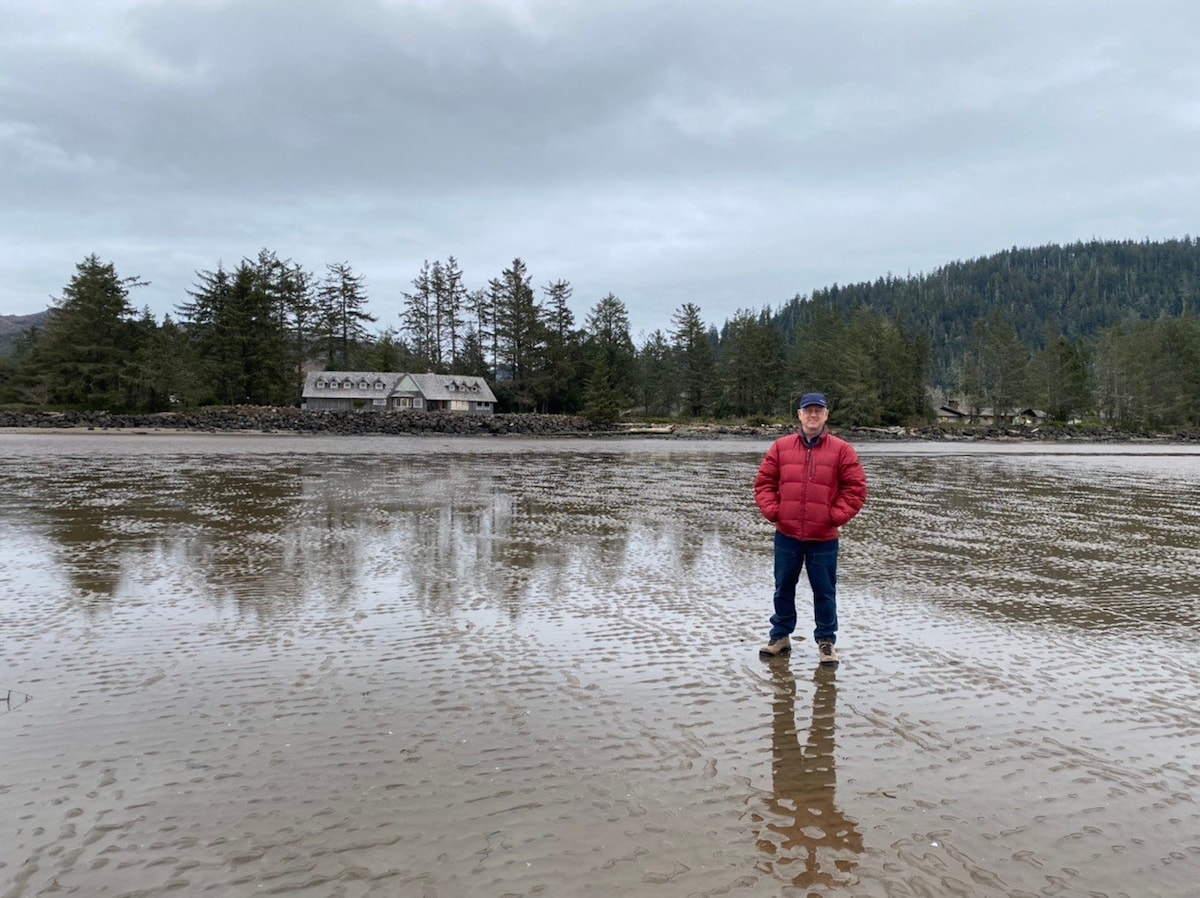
(813, 412)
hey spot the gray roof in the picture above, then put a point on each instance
(454, 386)
(382, 384)
(351, 384)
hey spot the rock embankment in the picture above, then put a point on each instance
(270, 419)
(954, 433)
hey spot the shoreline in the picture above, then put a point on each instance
(254, 420)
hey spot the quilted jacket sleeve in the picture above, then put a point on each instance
(766, 485)
(852, 487)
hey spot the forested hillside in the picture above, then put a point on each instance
(17, 328)
(1076, 292)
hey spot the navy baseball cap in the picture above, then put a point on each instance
(813, 399)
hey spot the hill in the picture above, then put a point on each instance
(13, 326)
(1076, 291)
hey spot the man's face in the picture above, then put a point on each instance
(812, 419)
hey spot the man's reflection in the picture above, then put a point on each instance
(810, 841)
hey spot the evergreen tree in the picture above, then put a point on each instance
(419, 317)
(452, 296)
(150, 370)
(388, 353)
(1005, 360)
(433, 315)
(85, 356)
(171, 365)
(815, 352)
(471, 357)
(520, 335)
(607, 341)
(343, 316)
(751, 365)
(1172, 349)
(560, 386)
(1150, 374)
(301, 322)
(1110, 396)
(657, 375)
(602, 402)
(853, 372)
(970, 377)
(262, 332)
(696, 360)
(209, 318)
(238, 330)
(1058, 378)
(901, 365)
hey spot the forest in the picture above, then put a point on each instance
(1100, 331)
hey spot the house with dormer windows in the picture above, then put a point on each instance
(389, 390)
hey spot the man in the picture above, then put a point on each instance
(808, 486)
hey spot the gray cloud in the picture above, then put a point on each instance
(728, 154)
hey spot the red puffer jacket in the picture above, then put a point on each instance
(808, 493)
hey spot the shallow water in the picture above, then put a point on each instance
(430, 667)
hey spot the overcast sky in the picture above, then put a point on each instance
(730, 154)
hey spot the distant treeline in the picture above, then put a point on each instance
(1099, 330)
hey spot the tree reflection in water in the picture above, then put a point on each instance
(808, 839)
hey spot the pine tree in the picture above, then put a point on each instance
(298, 312)
(602, 403)
(520, 334)
(697, 362)
(480, 308)
(85, 356)
(607, 340)
(750, 364)
(343, 316)
(472, 360)
(238, 329)
(418, 317)
(1058, 378)
(560, 387)
(1005, 360)
(854, 386)
(451, 304)
(209, 318)
(657, 376)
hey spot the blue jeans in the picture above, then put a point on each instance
(791, 555)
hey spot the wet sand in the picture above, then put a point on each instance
(413, 666)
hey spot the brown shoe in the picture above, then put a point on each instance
(774, 649)
(828, 652)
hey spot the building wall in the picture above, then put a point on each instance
(342, 403)
(325, 403)
(364, 391)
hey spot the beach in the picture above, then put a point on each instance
(445, 667)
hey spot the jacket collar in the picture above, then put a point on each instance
(815, 441)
